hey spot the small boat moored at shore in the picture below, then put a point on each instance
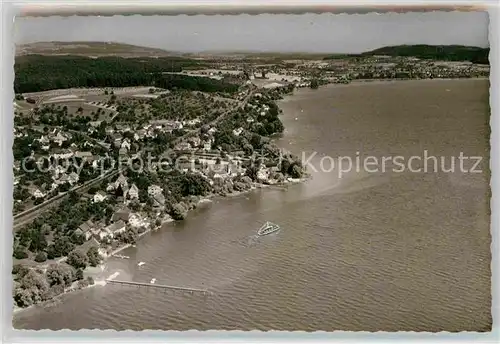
(268, 228)
(153, 281)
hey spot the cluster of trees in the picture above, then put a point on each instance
(128, 237)
(278, 92)
(270, 124)
(254, 135)
(183, 105)
(60, 224)
(52, 115)
(36, 73)
(179, 211)
(79, 259)
(194, 83)
(21, 147)
(292, 166)
(227, 186)
(190, 184)
(177, 188)
(314, 84)
(33, 286)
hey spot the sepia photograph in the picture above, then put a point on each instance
(263, 171)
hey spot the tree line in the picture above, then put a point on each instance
(429, 52)
(35, 73)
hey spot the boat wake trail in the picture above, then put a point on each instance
(268, 229)
(248, 241)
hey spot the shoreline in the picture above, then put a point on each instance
(380, 81)
(203, 200)
(413, 79)
(69, 290)
(167, 219)
(359, 82)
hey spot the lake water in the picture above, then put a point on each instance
(364, 251)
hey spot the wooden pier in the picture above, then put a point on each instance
(159, 286)
(120, 256)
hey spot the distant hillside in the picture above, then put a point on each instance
(430, 52)
(90, 49)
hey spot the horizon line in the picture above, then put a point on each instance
(241, 52)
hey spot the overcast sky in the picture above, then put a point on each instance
(268, 32)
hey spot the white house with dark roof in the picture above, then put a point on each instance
(125, 144)
(73, 178)
(183, 146)
(63, 154)
(121, 181)
(133, 192)
(154, 190)
(63, 179)
(88, 144)
(237, 132)
(122, 214)
(44, 139)
(60, 138)
(159, 201)
(99, 196)
(195, 141)
(123, 127)
(116, 228)
(137, 221)
(87, 228)
(123, 152)
(94, 243)
(99, 232)
(95, 124)
(36, 192)
(84, 155)
(140, 134)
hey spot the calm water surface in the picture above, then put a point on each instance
(368, 251)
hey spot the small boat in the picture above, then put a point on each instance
(268, 228)
(141, 263)
(153, 281)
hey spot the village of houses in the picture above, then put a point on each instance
(62, 158)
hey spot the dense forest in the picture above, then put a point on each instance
(193, 83)
(429, 52)
(36, 73)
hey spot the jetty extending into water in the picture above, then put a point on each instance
(159, 286)
(121, 256)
